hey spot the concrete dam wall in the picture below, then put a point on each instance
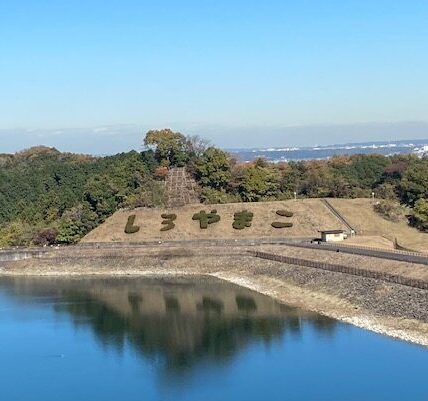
(19, 254)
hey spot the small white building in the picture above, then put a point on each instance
(332, 235)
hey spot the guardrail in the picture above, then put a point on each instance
(401, 256)
(339, 215)
(373, 248)
(355, 271)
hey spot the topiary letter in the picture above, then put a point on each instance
(206, 218)
(242, 219)
(130, 228)
(284, 213)
(168, 221)
(280, 224)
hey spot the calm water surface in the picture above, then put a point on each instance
(195, 340)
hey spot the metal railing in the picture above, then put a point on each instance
(339, 215)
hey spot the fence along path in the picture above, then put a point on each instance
(356, 271)
(395, 251)
(402, 256)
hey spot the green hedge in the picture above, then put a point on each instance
(130, 228)
(284, 213)
(171, 216)
(280, 224)
(168, 221)
(206, 218)
(242, 219)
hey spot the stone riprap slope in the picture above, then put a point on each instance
(384, 307)
(181, 188)
(309, 216)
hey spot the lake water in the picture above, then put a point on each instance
(188, 339)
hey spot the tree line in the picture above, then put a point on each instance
(49, 197)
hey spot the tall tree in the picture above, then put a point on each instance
(414, 184)
(258, 183)
(213, 169)
(169, 146)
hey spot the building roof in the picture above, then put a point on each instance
(332, 231)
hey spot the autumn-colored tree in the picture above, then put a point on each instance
(169, 147)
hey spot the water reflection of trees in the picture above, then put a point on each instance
(180, 339)
(181, 323)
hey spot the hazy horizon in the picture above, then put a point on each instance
(121, 138)
(240, 73)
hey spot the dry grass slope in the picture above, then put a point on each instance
(310, 216)
(360, 214)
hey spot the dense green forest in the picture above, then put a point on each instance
(49, 197)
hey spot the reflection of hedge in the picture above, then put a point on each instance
(284, 213)
(280, 224)
(246, 304)
(211, 305)
(172, 304)
(130, 228)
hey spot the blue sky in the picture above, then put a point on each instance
(223, 69)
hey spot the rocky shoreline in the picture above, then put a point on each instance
(390, 309)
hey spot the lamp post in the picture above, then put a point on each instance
(295, 196)
(373, 195)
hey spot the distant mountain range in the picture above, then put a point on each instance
(417, 146)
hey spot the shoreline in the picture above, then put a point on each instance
(387, 309)
(363, 322)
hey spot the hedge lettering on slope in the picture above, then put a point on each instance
(130, 228)
(206, 218)
(242, 219)
(168, 221)
(284, 213)
(280, 224)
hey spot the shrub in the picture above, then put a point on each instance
(169, 225)
(16, 233)
(171, 216)
(420, 214)
(130, 228)
(161, 173)
(206, 218)
(242, 219)
(46, 236)
(389, 210)
(280, 224)
(284, 213)
(214, 196)
(168, 222)
(75, 223)
(386, 191)
(151, 194)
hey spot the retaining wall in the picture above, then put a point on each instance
(391, 278)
